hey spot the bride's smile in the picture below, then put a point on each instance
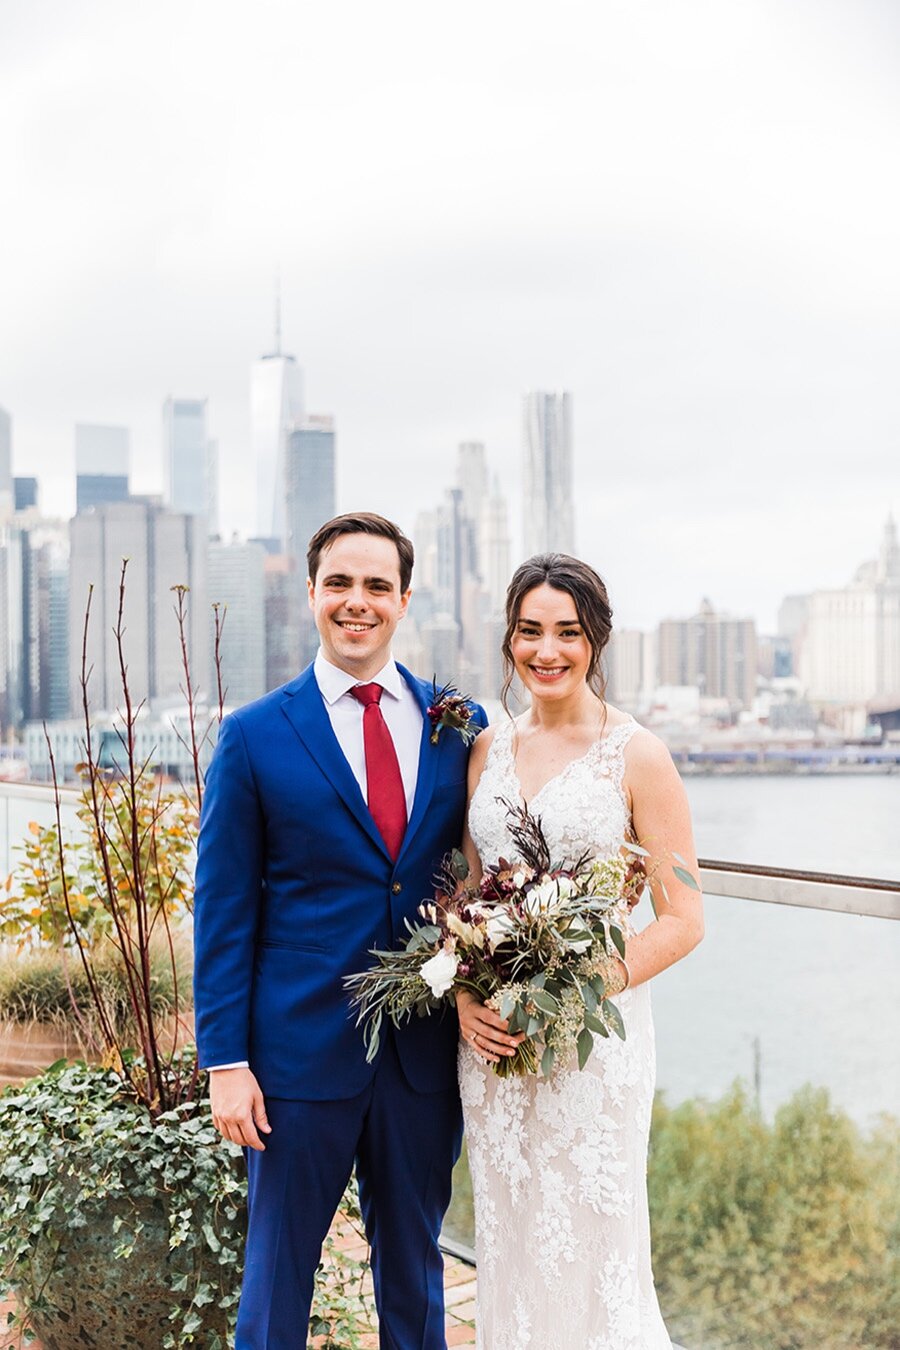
(551, 652)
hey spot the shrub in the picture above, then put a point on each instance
(778, 1236)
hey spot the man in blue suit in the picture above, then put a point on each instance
(327, 811)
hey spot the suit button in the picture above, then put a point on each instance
(396, 888)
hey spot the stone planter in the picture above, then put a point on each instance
(101, 1302)
(27, 1048)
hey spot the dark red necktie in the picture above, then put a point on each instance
(384, 785)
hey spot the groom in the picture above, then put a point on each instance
(326, 814)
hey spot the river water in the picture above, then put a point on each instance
(819, 991)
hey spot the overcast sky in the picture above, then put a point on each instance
(687, 213)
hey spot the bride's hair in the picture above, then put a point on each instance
(587, 589)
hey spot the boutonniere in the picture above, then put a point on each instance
(450, 708)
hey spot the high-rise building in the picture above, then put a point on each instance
(624, 659)
(13, 651)
(286, 604)
(25, 494)
(6, 479)
(850, 649)
(45, 621)
(494, 551)
(548, 502)
(713, 652)
(165, 550)
(189, 458)
(276, 408)
(101, 465)
(237, 585)
(309, 482)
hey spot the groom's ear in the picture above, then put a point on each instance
(404, 602)
(310, 591)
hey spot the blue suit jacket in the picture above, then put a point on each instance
(294, 887)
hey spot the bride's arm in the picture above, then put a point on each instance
(483, 1028)
(662, 825)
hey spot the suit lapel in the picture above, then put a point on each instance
(305, 709)
(428, 761)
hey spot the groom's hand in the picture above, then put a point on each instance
(238, 1108)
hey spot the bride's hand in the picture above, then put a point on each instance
(485, 1030)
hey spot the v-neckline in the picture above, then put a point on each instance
(579, 759)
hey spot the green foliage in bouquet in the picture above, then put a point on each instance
(535, 939)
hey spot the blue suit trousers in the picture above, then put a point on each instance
(404, 1145)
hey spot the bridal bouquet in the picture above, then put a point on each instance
(535, 939)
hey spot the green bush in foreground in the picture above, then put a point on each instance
(776, 1236)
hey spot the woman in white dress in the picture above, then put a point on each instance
(559, 1165)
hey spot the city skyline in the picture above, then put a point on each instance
(685, 220)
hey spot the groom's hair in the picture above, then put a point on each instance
(361, 522)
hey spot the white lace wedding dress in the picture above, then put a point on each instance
(559, 1165)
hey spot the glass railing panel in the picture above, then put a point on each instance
(774, 1168)
(823, 822)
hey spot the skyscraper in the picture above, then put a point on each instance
(237, 586)
(25, 493)
(712, 651)
(494, 548)
(101, 465)
(164, 549)
(548, 511)
(188, 457)
(309, 482)
(276, 408)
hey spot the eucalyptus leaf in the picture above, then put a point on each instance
(614, 1018)
(687, 878)
(547, 1061)
(585, 1045)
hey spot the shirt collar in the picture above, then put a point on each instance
(334, 683)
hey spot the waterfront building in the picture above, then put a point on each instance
(189, 459)
(276, 409)
(624, 657)
(713, 652)
(162, 741)
(850, 648)
(547, 480)
(102, 456)
(237, 585)
(164, 549)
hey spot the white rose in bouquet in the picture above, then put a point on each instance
(439, 972)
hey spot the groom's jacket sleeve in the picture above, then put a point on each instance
(227, 901)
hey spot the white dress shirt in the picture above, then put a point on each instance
(399, 708)
(402, 714)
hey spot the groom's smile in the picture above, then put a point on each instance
(357, 602)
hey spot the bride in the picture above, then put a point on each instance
(559, 1165)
